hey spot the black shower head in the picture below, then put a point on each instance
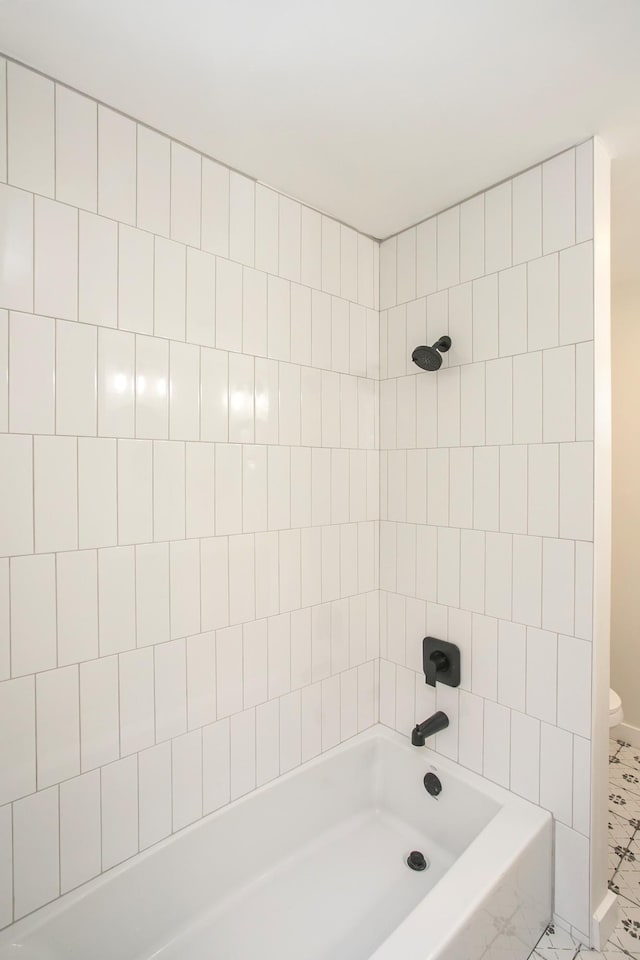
(430, 358)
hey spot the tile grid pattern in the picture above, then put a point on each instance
(188, 433)
(486, 490)
(624, 875)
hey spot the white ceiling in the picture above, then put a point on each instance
(379, 112)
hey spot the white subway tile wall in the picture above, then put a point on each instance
(241, 506)
(486, 489)
(189, 495)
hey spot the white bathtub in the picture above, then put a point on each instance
(313, 867)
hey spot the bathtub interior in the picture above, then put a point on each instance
(312, 865)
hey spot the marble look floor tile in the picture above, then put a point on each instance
(556, 944)
(609, 953)
(630, 756)
(621, 775)
(627, 934)
(620, 830)
(626, 880)
(623, 802)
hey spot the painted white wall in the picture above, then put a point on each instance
(625, 606)
(487, 496)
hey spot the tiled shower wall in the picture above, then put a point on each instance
(486, 482)
(189, 492)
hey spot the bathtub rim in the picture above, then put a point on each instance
(514, 813)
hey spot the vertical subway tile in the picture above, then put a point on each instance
(18, 747)
(365, 271)
(289, 240)
(170, 666)
(558, 571)
(184, 584)
(152, 593)
(348, 263)
(184, 399)
(311, 249)
(119, 808)
(153, 194)
(574, 685)
(97, 492)
(472, 231)
(169, 297)
(558, 397)
(215, 766)
(542, 658)
(527, 215)
(30, 130)
(186, 192)
(201, 686)
(31, 381)
(497, 745)
(228, 305)
(76, 140)
(448, 248)
(485, 318)
(80, 842)
(558, 201)
(228, 492)
(527, 580)
(241, 218)
(56, 259)
(330, 256)
(512, 311)
(242, 748)
(426, 257)
(116, 599)
(576, 296)
(135, 280)
(33, 626)
(254, 312)
(543, 490)
(3, 177)
(498, 219)
(525, 754)
(214, 395)
(152, 388)
(527, 398)
(406, 265)
(55, 492)
(542, 302)
(16, 234)
(77, 606)
(199, 489)
(186, 770)
(168, 490)
(76, 378)
(116, 166)
(301, 325)
(36, 851)
(154, 794)
(584, 191)
(97, 270)
(99, 722)
(215, 207)
(58, 725)
(116, 359)
(266, 229)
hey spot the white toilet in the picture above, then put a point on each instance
(616, 715)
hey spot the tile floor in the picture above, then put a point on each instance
(624, 866)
